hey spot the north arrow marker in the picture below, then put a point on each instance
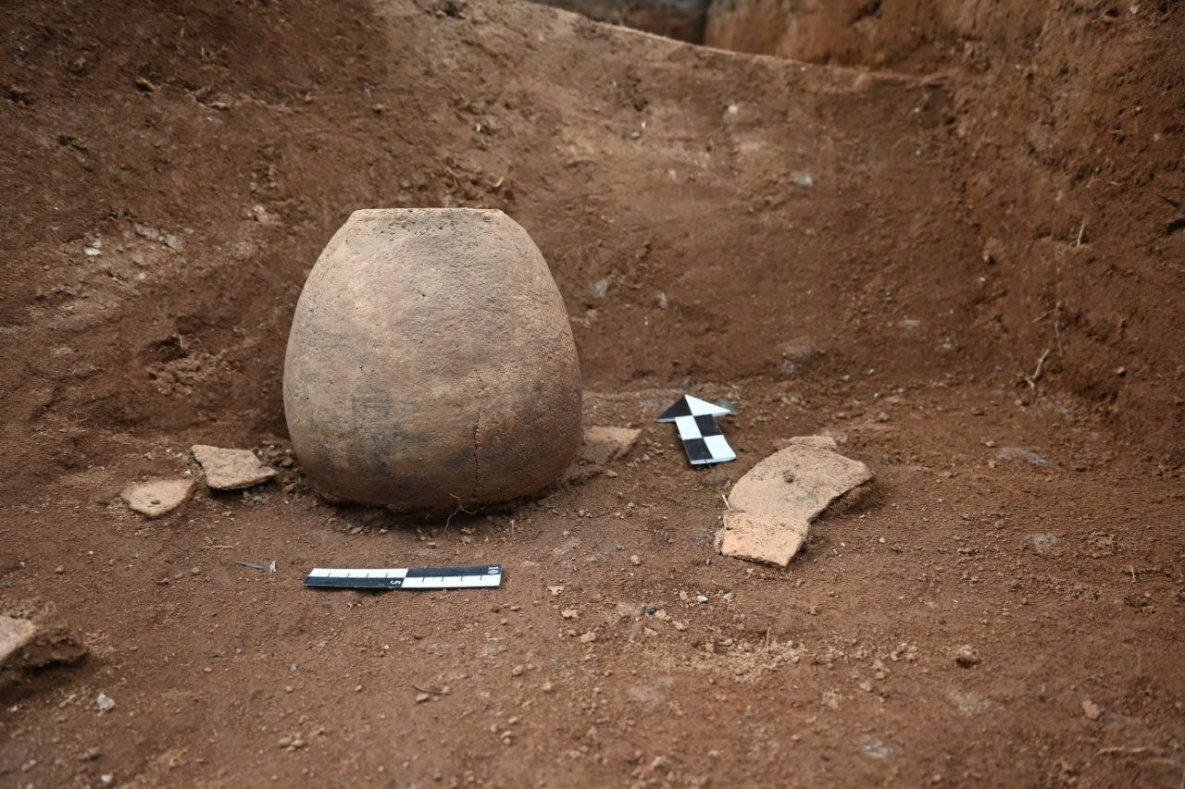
(702, 437)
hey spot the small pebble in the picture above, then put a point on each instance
(967, 657)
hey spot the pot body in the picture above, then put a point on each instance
(430, 364)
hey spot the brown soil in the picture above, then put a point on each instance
(881, 249)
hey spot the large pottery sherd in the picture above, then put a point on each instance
(771, 508)
(431, 365)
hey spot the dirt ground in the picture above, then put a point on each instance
(960, 254)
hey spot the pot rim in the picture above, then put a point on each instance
(387, 213)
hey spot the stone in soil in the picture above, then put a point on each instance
(772, 507)
(26, 645)
(1019, 454)
(966, 656)
(1044, 542)
(14, 634)
(231, 469)
(157, 497)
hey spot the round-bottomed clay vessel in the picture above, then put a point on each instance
(430, 364)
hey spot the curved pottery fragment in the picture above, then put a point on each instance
(430, 364)
(771, 507)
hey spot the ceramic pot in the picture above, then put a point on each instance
(430, 364)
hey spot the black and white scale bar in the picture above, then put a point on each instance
(484, 576)
(702, 437)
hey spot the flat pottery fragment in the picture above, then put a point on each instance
(599, 448)
(158, 497)
(603, 445)
(773, 505)
(231, 469)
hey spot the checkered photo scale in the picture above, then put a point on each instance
(702, 437)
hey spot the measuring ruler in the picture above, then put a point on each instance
(488, 575)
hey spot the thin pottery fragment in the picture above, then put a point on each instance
(771, 507)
